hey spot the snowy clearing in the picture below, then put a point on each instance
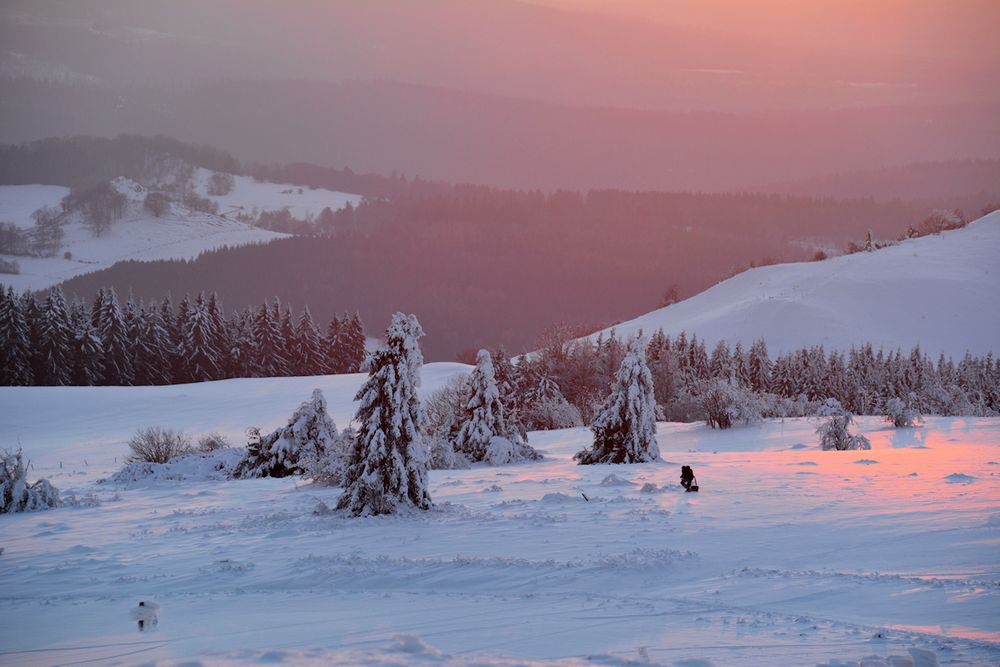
(920, 292)
(179, 234)
(789, 555)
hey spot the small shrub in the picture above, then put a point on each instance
(819, 256)
(16, 494)
(899, 414)
(212, 442)
(834, 433)
(68, 256)
(158, 445)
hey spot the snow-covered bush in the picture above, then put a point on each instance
(154, 444)
(484, 433)
(309, 436)
(727, 403)
(834, 431)
(899, 414)
(213, 441)
(545, 408)
(388, 465)
(16, 494)
(625, 431)
(328, 467)
(195, 467)
(445, 408)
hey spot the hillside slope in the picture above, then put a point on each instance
(941, 292)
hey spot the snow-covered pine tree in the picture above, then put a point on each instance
(220, 339)
(388, 467)
(87, 354)
(200, 357)
(152, 348)
(625, 431)
(55, 341)
(287, 328)
(759, 366)
(15, 342)
(721, 365)
(117, 358)
(352, 335)
(485, 434)
(508, 381)
(309, 438)
(331, 346)
(269, 358)
(309, 358)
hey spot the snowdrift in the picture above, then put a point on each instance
(941, 292)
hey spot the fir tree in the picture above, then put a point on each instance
(269, 359)
(114, 342)
(55, 341)
(201, 358)
(388, 467)
(309, 357)
(625, 431)
(88, 367)
(15, 342)
(153, 358)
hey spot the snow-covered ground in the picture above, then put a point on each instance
(248, 194)
(921, 291)
(789, 555)
(180, 234)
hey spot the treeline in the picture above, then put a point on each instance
(687, 378)
(487, 267)
(347, 180)
(50, 342)
(85, 161)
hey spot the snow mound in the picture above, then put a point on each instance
(959, 478)
(615, 480)
(919, 292)
(214, 466)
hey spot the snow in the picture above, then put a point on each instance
(941, 292)
(787, 555)
(180, 234)
(248, 194)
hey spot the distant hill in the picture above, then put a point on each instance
(941, 292)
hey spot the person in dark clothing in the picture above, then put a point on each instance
(687, 479)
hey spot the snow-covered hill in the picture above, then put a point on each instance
(789, 555)
(181, 233)
(940, 291)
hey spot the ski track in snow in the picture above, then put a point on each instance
(789, 555)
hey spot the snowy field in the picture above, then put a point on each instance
(920, 292)
(180, 234)
(788, 556)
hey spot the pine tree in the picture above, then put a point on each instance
(55, 341)
(352, 335)
(388, 467)
(309, 439)
(153, 358)
(759, 367)
(15, 342)
(331, 347)
(485, 434)
(219, 335)
(287, 328)
(201, 358)
(308, 346)
(625, 431)
(88, 367)
(269, 359)
(114, 342)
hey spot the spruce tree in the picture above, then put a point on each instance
(55, 341)
(268, 351)
(15, 342)
(388, 466)
(625, 430)
(153, 358)
(352, 336)
(201, 358)
(309, 357)
(88, 367)
(114, 342)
